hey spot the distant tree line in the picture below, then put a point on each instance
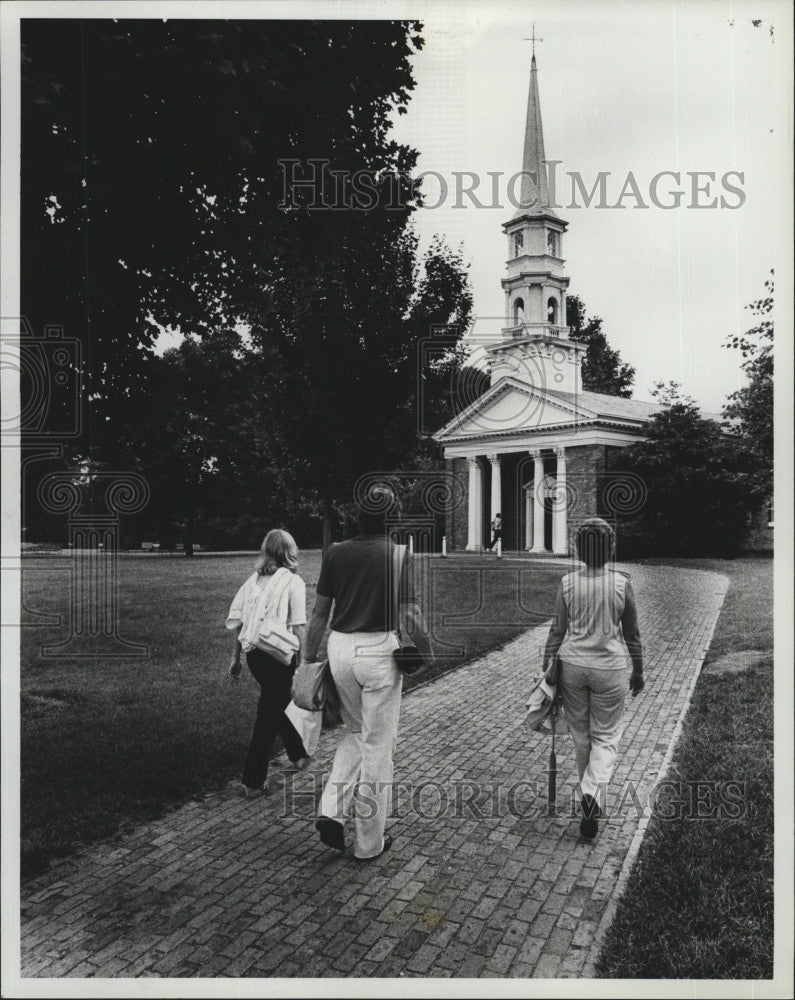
(707, 480)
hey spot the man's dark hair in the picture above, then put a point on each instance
(596, 542)
(372, 512)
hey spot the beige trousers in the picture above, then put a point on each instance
(593, 701)
(369, 686)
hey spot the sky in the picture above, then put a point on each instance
(626, 87)
(641, 88)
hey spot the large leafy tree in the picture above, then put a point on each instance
(154, 165)
(152, 181)
(602, 367)
(693, 474)
(749, 410)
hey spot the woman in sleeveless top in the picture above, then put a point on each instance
(595, 637)
(279, 555)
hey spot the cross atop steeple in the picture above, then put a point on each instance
(533, 39)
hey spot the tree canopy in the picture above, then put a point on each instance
(151, 176)
(602, 367)
(749, 411)
(695, 478)
(154, 196)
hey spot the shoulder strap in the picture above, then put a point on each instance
(275, 593)
(398, 558)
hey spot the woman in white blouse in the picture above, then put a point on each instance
(593, 638)
(277, 566)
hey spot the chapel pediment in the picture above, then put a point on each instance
(509, 406)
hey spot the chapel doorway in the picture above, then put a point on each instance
(548, 525)
(550, 482)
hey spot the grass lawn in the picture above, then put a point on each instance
(699, 901)
(106, 744)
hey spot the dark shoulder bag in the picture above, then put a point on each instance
(408, 659)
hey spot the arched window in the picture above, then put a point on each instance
(518, 244)
(552, 311)
(552, 243)
(518, 311)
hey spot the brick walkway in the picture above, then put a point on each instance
(479, 881)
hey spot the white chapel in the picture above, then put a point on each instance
(535, 447)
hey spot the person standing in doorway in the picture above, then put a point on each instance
(496, 532)
(358, 578)
(593, 637)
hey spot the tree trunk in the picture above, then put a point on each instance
(328, 524)
(187, 537)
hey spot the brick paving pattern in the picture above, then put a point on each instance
(480, 881)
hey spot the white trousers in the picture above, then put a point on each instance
(369, 686)
(593, 701)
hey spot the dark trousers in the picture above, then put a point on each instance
(274, 680)
(496, 536)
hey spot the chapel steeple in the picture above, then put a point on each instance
(536, 283)
(534, 191)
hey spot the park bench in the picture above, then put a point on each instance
(164, 549)
(41, 548)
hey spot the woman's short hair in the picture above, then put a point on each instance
(596, 542)
(278, 549)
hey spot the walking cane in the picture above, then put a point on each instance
(552, 787)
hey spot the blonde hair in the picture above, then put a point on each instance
(278, 549)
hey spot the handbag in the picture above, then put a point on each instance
(408, 659)
(314, 690)
(310, 685)
(270, 632)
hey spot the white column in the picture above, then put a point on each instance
(538, 503)
(496, 486)
(475, 523)
(528, 517)
(560, 514)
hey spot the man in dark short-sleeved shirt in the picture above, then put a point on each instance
(358, 577)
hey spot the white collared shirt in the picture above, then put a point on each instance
(246, 600)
